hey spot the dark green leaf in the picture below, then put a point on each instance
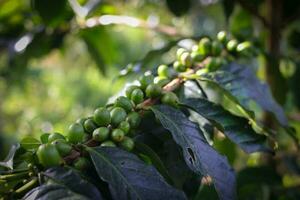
(64, 184)
(130, 178)
(198, 154)
(242, 84)
(30, 143)
(235, 128)
(179, 7)
(8, 162)
(155, 160)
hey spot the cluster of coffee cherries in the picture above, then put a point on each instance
(215, 53)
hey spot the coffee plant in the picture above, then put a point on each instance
(154, 140)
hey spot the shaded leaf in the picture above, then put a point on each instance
(130, 178)
(8, 162)
(241, 83)
(198, 154)
(235, 128)
(30, 143)
(228, 7)
(64, 184)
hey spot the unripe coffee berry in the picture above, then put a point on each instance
(163, 71)
(89, 125)
(130, 89)
(125, 103)
(75, 133)
(153, 90)
(108, 143)
(48, 155)
(124, 126)
(102, 116)
(101, 134)
(127, 144)
(137, 96)
(145, 80)
(179, 67)
(205, 46)
(134, 120)
(55, 136)
(117, 135)
(118, 115)
(170, 98)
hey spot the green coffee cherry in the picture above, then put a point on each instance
(127, 144)
(231, 45)
(102, 116)
(244, 48)
(145, 80)
(197, 56)
(117, 135)
(161, 81)
(222, 37)
(179, 52)
(205, 46)
(137, 96)
(101, 134)
(62, 147)
(48, 155)
(186, 59)
(89, 125)
(129, 90)
(108, 143)
(163, 71)
(125, 103)
(179, 67)
(170, 98)
(55, 136)
(124, 126)
(118, 115)
(153, 90)
(81, 163)
(81, 121)
(76, 133)
(134, 120)
(216, 48)
(195, 48)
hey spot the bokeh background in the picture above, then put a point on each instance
(60, 59)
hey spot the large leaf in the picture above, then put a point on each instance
(198, 154)
(130, 178)
(64, 184)
(241, 82)
(235, 128)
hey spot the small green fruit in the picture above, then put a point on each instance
(62, 147)
(145, 80)
(81, 121)
(214, 64)
(161, 81)
(179, 67)
(186, 59)
(108, 143)
(244, 48)
(216, 48)
(222, 37)
(102, 117)
(48, 155)
(170, 98)
(153, 90)
(163, 71)
(101, 134)
(75, 133)
(127, 144)
(118, 115)
(179, 52)
(82, 163)
(134, 119)
(125, 103)
(129, 90)
(55, 136)
(117, 135)
(205, 46)
(197, 56)
(124, 126)
(231, 45)
(137, 96)
(89, 125)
